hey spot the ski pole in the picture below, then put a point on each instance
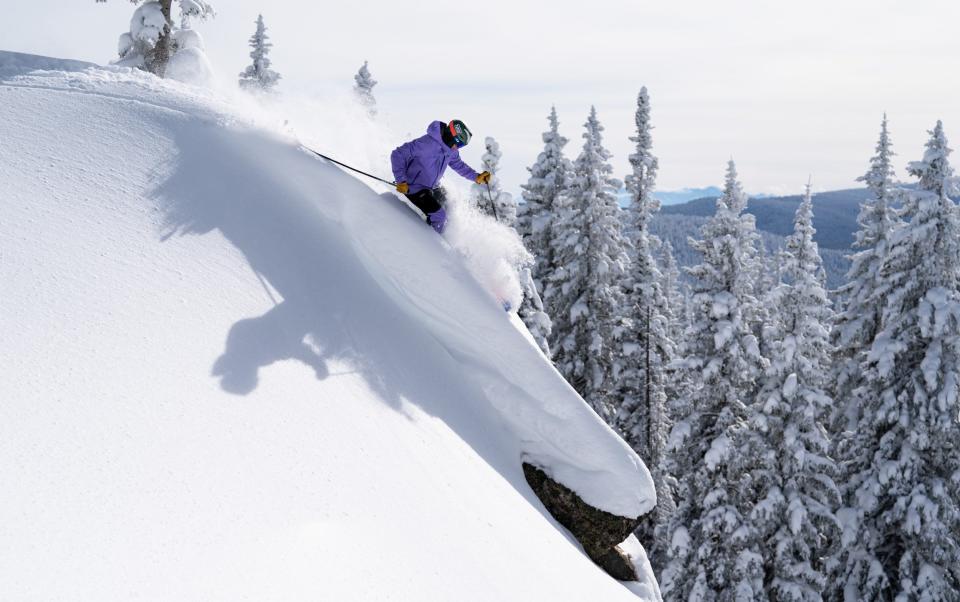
(492, 204)
(322, 156)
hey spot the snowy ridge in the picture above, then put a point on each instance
(17, 63)
(241, 373)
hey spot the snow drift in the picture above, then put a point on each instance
(232, 371)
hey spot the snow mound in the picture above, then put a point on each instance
(190, 66)
(240, 373)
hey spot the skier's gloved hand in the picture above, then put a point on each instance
(483, 178)
(403, 187)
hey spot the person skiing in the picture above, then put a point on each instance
(419, 164)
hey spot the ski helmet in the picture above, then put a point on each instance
(461, 135)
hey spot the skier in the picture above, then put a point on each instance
(419, 164)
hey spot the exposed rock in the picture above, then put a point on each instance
(617, 564)
(598, 531)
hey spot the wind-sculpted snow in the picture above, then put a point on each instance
(235, 372)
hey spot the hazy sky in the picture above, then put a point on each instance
(786, 88)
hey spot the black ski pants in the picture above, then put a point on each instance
(429, 200)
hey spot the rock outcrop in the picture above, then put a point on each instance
(599, 532)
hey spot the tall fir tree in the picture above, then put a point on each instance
(258, 76)
(490, 199)
(765, 317)
(673, 292)
(533, 313)
(903, 493)
(863, 297)
(644, 165)
(550, 176)
(590, 259)
(363, 89)
(647, 347)
(715, 552)
(795, 512)
(862, 300)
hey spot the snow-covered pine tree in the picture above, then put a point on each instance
(714, 552)
(491, 199)
(765, 317)
(644, 165)
(363, 89)
(673, 292)
(905, 493)
(796, 476)
(532, 312)
(590, 258)
(863, 297)
(549, 178)
(647, 347)
(152, 40)
(862, 300)
(258, 76)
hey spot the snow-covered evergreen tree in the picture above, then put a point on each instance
(590, 258)
(796, 475)
(714, 552)
(862, 301)
(864, 296)
(673, 292)
(154, 40)
(644, 165)
(491, 199)
(549, 178)
(363, 89)
(532, 312)
(647, 347)
(258, 76)
(904, 488)
(765, 317)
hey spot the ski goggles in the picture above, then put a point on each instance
(461, 135)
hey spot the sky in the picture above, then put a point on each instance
(787, 89)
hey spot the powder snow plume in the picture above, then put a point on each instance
(494, 252)
(336, 125)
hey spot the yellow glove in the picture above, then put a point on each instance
(483, 178)
(403, 187)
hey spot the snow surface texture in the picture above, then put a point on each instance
(16, 63)
(235, 372)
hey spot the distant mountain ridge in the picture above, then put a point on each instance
(682, 195)
(834, 214)
(676, 197)
(678, 229)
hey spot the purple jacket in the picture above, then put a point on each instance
(421, 162)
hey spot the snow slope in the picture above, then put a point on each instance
(18, 63)
(231, 371)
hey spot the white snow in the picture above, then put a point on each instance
(718, 453)
(646, 588)
(191, 66)
(147, 23)
(493, 251)
(232, 371)
(17, 63)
